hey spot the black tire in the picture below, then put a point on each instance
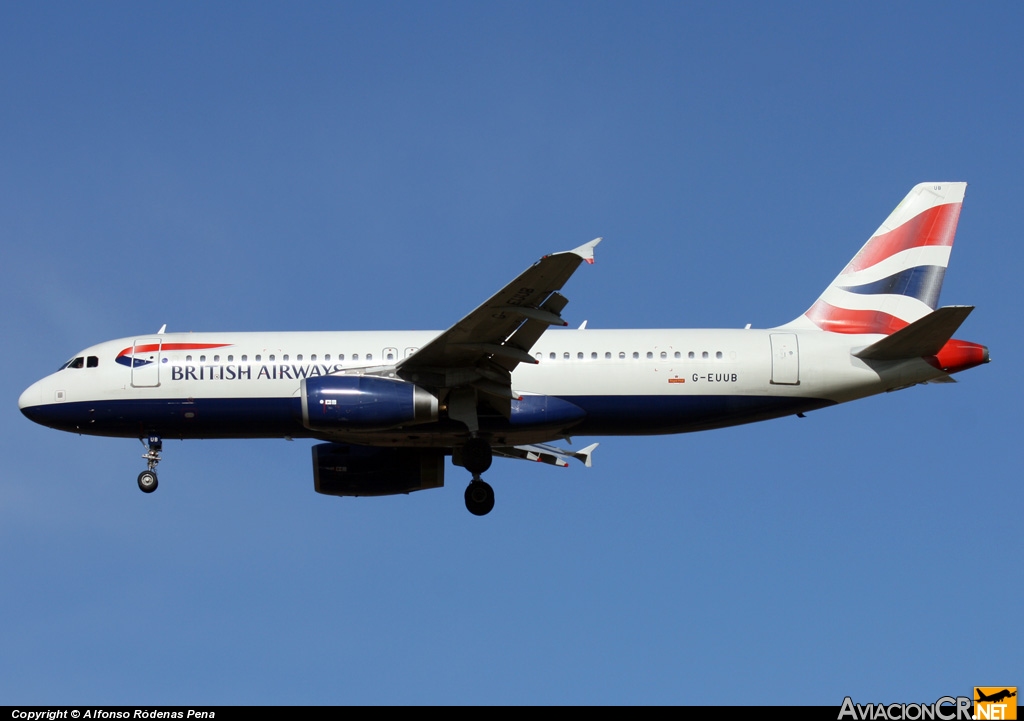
(148, 481)
(479, 498)
(476, 456)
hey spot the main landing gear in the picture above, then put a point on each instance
(147, 479)
(476, 458)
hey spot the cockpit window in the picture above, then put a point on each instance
(92, 361)
(78, 362)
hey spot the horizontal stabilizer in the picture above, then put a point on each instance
(923, 337)
(543, 453)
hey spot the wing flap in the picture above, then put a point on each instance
(544, 453)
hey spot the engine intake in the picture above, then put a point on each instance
(363, 403)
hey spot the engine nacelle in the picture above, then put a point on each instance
(343, 470)
(363, 403)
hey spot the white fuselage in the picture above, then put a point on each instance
(647, 381)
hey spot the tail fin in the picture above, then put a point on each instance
(896, 277)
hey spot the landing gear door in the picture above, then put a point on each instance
(146, 362)
(785, 359)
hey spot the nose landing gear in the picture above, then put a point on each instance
(147, 479)
(476, 458)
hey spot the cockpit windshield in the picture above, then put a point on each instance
(81, 362)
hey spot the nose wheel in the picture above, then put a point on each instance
(147, 479)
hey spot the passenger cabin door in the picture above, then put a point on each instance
(146, 362)
(785, 359)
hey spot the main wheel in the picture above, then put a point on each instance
(147, 481)
(476, 456)
(479, 498)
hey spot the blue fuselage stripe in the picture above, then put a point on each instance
(280, 417)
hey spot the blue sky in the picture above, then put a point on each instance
(390, 165)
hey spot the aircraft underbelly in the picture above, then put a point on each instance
(282, 417)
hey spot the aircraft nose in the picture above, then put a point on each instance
(41, 404)
(31, 403)
(29, 398)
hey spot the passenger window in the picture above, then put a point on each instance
(649, 355)
(690, 355)
(341, 356)
(313, 357)
(552, 356)
(284, 357)
(216, 359)
(231, 358)
(538, 355)
(258, 357)
(678, 354)
(636, 356)
(245, 358)
(391, 356)
(607, 355)
(369, 356)
(355, 356)
(704, 355)
(622, 355)
(298, 357)
(327, 356)
(664, 355)
(718, 355)
(271, 357)
(580, 355)
(92, 361)
(593, 356)
(566, 355)
(202, 359)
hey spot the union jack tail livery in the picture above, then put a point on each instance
(896, 277)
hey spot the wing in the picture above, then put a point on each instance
(544, 453)
(473, 360)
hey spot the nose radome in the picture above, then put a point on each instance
(29, 398)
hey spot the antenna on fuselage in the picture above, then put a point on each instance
(162, 329)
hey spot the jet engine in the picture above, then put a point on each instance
(340, 469)
(363, 403)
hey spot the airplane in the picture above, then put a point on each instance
(996, 697)
(390, 406)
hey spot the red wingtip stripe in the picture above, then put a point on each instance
(935, 226)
